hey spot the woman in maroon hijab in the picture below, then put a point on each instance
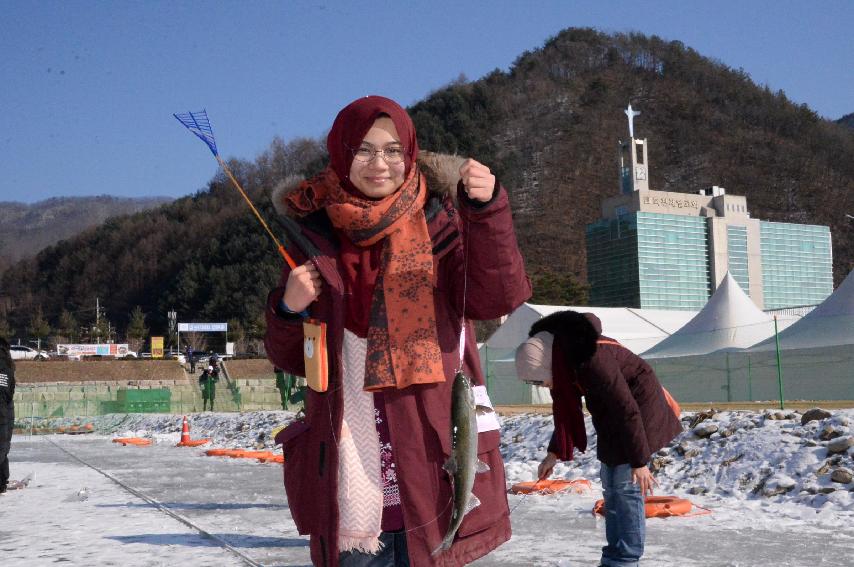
(399, 252)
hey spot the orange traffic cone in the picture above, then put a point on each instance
(185, 431)
(185, 436)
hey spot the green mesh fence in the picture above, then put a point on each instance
(822, 370)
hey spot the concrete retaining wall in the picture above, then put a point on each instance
(73, 388)
(84, 398)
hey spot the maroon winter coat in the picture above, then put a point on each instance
(625, 400)
(418, 416)
(623, 395)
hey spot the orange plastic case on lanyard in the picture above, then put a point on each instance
(674, 405)
(314, 353)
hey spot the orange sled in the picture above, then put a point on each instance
(234, 453)
(125, 441)
(659, 507)
(193, 443)
(262, 456)
(269, 457)
(550, 486)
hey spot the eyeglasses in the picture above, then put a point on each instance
(392, 154)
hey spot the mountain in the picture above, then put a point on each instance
(26, 229)
(847, 120)
(203, 256)
(551, 125)
(548, 127)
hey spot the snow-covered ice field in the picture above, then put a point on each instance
(774, 486)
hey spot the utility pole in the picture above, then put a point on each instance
(97, 320)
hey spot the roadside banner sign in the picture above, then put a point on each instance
(96, 349)
(156, 347)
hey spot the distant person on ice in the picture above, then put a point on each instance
(191, 359)
(389, 236)
(208, 381)
(630, 413)
(7, 410)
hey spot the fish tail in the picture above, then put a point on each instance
(444, 546)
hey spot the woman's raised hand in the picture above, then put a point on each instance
(303, 287)
(477, 179)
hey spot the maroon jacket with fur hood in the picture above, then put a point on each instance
(418, 416)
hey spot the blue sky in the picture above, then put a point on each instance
(87, 89)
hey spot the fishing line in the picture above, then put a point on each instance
(461, 347)
(169, 512)
(450, 501)
(519, 503)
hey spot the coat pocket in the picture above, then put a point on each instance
(489, 487)
(300, 480)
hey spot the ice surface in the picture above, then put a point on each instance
(766, 481)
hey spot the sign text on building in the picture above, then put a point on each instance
(202, 327)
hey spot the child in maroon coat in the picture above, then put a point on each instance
(630, 414)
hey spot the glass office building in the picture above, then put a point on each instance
(648, 260)
(668, 250)
(612, 262)
(797, 264)
(662, 261)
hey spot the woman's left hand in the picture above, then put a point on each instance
(478, 180)
(644, 479)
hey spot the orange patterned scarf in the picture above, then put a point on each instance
(403, 345)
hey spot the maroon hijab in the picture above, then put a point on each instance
(354, 121)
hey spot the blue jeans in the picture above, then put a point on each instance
(625, 517)
(393, 554)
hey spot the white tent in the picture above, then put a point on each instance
(829, 324)
(637, 329)
(816, 361)
(728, 320)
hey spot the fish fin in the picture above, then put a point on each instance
(473, 503)
(450, 466)
(481, 467)
(483, 410)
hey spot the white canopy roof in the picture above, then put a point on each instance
(728, 320)
(829, 324)
(637, 329)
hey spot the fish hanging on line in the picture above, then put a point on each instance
(463, 463)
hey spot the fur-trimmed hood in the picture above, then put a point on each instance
(442, 172)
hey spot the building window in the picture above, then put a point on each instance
(737, 257)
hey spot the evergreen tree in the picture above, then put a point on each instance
(67, 329)
(137, 331)
(101, 330)
(38, 327)
(5, 330)
(237, 334)
(553, 288)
